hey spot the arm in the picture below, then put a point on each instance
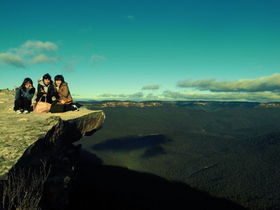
(64, 91)
(17, 96)
(52, 93)
(65, 96)
(39, 91)
(55, 92)
(29, 93)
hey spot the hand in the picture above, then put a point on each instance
(44, 95)
(62, 101)
(42, 90)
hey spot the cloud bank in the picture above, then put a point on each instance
(268, 83)
(150, 87)
(12, 59)
(193, 96)
(43, 59)
(138, 96)
(40, 46)
(167, 95)
(30, 52)
(222, 96)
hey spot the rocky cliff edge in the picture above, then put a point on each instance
(23, 136)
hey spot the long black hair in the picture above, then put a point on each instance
(59, 77)
(26, 80)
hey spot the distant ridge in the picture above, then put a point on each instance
(190, 104)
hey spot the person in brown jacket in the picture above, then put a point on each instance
(63, 95)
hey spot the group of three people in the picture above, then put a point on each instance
(56, 93)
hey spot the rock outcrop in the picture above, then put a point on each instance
(42, 143)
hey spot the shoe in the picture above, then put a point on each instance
(25, 112)
(18, 112)
(75, 108)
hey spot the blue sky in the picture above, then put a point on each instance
(145, 50)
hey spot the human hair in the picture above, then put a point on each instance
(26, 80)
(59, 77)
(47, 76)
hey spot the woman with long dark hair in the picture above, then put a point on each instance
(23, 97)
(62, 90)
(64, 99)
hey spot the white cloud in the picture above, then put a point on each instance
(40, 46)
(222, 96)
(135, 96)
(193, 96)
(108, 95)
(12, 59)
(150, 87)
(29, 53)
(138, 96)
(43, 59)
(268, 83)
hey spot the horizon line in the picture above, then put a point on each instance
(139, 101)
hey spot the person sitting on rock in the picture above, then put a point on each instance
(45, 90)
(64, 99)
(23, 97)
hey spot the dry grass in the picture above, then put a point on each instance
(24, 188)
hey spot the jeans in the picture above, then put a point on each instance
(22, 103)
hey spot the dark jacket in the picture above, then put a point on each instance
(27, 93)
(49, 90)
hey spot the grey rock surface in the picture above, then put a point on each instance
(19, 133)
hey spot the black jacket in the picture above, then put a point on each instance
(27, 93)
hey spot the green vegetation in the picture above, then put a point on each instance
(231, 152)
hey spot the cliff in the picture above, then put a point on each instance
(40, 145)
(41, 169)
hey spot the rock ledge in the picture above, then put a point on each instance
(28, 134)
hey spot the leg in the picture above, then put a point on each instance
(68, 107)
(19, 104)
(57, 108)
(26, 104)
(71, 107)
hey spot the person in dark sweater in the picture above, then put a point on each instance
(45, 90)
(23, 97)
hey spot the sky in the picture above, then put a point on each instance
(145, 49)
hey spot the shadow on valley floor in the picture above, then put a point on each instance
(129, 143)
(110, 187)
